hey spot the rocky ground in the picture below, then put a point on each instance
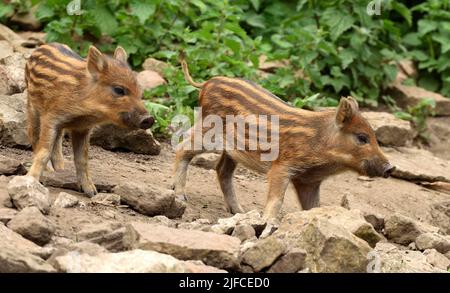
(136, 224)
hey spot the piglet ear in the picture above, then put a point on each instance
(354, 102)
(96, 61)
(347, 108)
(120, 54)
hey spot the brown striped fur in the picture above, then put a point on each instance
(312, 145)
(67, 92)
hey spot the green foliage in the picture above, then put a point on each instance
(333, 47)
(429, 45)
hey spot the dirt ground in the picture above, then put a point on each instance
(383, 196)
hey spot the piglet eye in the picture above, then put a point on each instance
(362, 138)
(119, 91)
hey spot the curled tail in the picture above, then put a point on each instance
(187, 76)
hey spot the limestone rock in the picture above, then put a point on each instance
(390, 130)
(26, 191)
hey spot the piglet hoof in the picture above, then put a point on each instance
(236, 210)
(49, 167)
(89, 189)
(58, 165)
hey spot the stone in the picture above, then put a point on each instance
(15, 256)
(83, 247)
(404, 230)
(387, 258)
(436, 259)
(111, 235)
(27, 20)
(162, 220)
(263, 254)
(329, 247)
(433, 241)
(417, 165)
(292, 262)
(410, 96)
(206, 160)
(5, 199)
(12, 68)
(11, 37)
(67, 179)
(22, 244)
(26, 191)
(376, 220)
(13, 121)
(111, 137)
(148, 79)
(6, 214)
(32, 225)
(150, 200)
(351, 220)
(153, 64)
(271, 66)
(213, 249)
(109, 199)
(10, 166)
(134, 261)
(390, 130)
(440, 215)
(199, 224)
(243, 232)
(65, 200)
(5, 50)
(252, 218)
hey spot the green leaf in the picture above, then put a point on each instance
(337, 21)
(256, 4)
(278, 40)
(104, 20)
(403, 11)
(6, 10)
(425, 26)
(142, 9)
(234, 45)
(255, 20)
(202, 6)
(346, 56)
(412, 39)
(44, 11)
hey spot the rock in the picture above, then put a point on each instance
(12, 68)
(13, 121)
(153, 64)
(390, 130)
(376, 220)
(32, 225)
(387, 258)
(329, 247)
(271, 66)
(199, 224)
(418, 165)
(447, 255)
(206, 160)
(438, 136)
(243, 232)
(16, 256)
(148, 79)
(437, 259)
(26, 191)
(24, 245)
(150, 200)
(351, 220)
(65, 200)
(27, 20)
(5, 50)
(6, 214)
(10, 166)
(162, 220)
(403, 230)
(252, 218)
(263, 254)
(440, 215)
(84, 247)
(211, 248)
(11, 37)
(113, 236)
(5, 199)
(410, 96)
(291, 262)
(113, 138)
(433, 241)
(33, 39)
(109, 199)
(135, 261)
